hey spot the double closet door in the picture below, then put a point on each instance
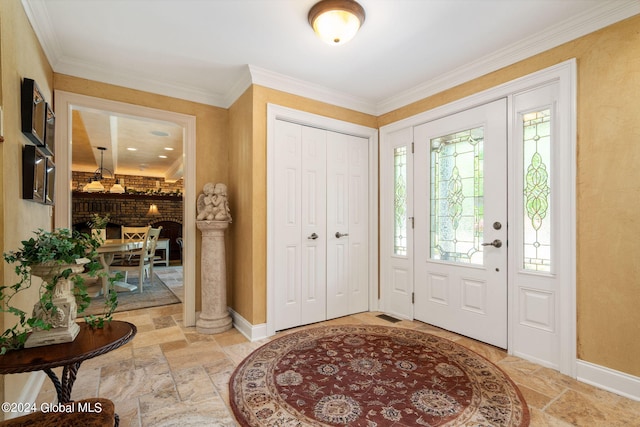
(321, 225)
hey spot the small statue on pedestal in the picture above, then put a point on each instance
(213, 219)
(213, 204)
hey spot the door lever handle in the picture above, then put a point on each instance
(313, 236)
(339, 234)
(496, 243)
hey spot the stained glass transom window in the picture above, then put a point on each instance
(400, 201)
(457, 196)
(537, 190)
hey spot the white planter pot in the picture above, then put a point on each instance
(65, 328)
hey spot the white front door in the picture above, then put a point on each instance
(460, 235)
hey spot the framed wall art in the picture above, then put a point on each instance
(34, 176)
(50, 181)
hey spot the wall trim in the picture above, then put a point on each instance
(251, 332)
(609, 379)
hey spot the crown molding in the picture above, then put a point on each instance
(41, 23)
(606, 13)
(242, 83)
(139, 82)
(270, 79)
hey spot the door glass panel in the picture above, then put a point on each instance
(537, 190)
(400, 201)
(457, 199)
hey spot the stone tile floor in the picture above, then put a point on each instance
(170, 375)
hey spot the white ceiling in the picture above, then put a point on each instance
(210, 51)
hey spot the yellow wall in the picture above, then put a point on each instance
(608, 184)
(21, 56)
(240, 289)
(211, 131)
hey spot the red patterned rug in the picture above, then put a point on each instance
(372, 376)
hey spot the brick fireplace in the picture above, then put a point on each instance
(131, 210)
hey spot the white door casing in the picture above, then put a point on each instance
(460, 282)
(541, 306)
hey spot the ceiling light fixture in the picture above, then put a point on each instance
(96, 185)
(336, 21)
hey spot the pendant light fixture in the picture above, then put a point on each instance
(95, 185)
(336, 21)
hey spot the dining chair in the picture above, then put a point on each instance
(180, 242)
(131, 233)
(152, 242)
(137, 259)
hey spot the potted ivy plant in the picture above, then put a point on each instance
(58, 257)
(98, 225)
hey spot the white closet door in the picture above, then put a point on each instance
(299, 217)
(347, 225)
(314, 221)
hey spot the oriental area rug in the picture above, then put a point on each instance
(373, 376)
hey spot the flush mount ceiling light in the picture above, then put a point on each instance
(336, 21)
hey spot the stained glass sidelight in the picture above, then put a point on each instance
(457, 196)
(537, 190)
(400, 201)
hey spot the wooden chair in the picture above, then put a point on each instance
(140, 260)
(152, 242)
(131, 233)
(133, 260)
(180, 242)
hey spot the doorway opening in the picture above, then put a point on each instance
(66, 104)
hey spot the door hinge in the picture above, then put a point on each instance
(413, 297)
(412, 147)
(412, 221)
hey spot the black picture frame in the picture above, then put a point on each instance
(50, 182)
(49, 131)
(34, 112)
(34, 165)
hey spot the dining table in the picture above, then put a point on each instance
(107, 251)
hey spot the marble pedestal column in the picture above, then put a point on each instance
(214, 317)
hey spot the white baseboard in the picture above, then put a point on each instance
(251, 332)
(609, 379)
